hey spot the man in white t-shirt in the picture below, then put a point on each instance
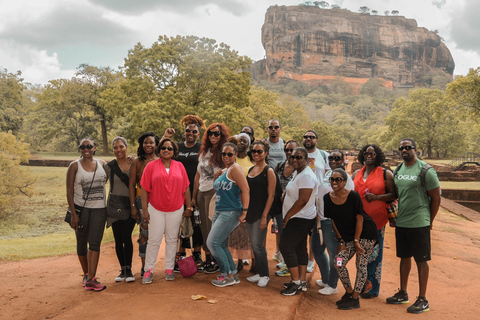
(276, 153)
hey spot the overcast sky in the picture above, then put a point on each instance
(49, 39)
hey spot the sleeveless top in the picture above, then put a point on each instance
(227, 197)
(258, 196)
(83, 179)
(284, 180)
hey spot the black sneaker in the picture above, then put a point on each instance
(421, 305)
(199, 262)
(344, 298)
(292, 289)
(212, 267)
(398, 298)
(349, 304)
(121, 277)
(239, 265)
(129, 275)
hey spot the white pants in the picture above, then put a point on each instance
(162, 223)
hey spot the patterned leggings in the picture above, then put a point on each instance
(361, 263)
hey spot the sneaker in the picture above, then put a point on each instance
(310, 266)
(368, 295)
(169, 275)
(223, 282)
(283, 272)
(129, 275)
(304, 286)
(176, 268)
(121, 276)
(421, 305)
(198, 260)
(93, 284)
(147, 277)
(344, 298)
(239, 266)
(236, 278)
(85, 278)
(349, 304)
(292, 289)
(263, 281)
(320, 283)
(327, 290)
(281, 265)
(277, 256)
(254, 278)
(211, 267)
(245, 262)
(398, 298)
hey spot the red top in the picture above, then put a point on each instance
(375, 184)
(166, 190)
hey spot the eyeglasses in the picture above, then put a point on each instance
(249, 133)
(273, 127)
(228, 154)
(166, 148)
(309, 137)
(83, 147)
(288, 150)
(259, 151)
(334, 158)
(297, 157)
(214, 133)
(406, 148)
(337, 179)
(371, 154)
(193, 131)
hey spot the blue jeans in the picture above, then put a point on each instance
(224, 222)
(257, 237)
(325, 264)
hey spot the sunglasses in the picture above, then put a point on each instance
(372, 154)
(288, 150)
(337, 179)
(193, 131)
(406, 148)
(297, 157)
(273, 127)
(214, 133)
(166, 148)
(228, 154)
(259, 151)
(334, 158)
(309, 137)
(83, 147)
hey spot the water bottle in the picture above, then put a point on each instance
(196, 216)
(274, 226)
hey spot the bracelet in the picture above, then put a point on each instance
(189, 208)
(356, 240)
(133, 204)
(342, 243)
(244, 209)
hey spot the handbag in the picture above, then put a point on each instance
(118, 207)
(78, 209)
(187, 266)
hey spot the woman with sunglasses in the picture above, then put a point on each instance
(86, 180)
(355, 232)
(299, 215)
(164, 193)
(231, 204)
(326, 263)
(375, 186)
(209, 161)
(146, 152)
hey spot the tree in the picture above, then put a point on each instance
(14, 179)
(395, 12)
(386, 12)
(11, 101)
(464, 91)
(364, 9)
(374, 12)
(426, 117)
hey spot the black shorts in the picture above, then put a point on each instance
(413, 242)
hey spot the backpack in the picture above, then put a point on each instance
(422, 175)
(277, 204)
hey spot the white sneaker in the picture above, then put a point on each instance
(277, 256)
(245, 262)
(328, 290)
(254, 278)
(310, 266)
(263, 281)
(321, 284)
(281, 265)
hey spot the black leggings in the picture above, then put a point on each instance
(122, 232)
(293, 241)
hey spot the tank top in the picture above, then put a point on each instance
(258, 196)
(83, 179)
(227, 197)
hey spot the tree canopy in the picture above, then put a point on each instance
(11, 101)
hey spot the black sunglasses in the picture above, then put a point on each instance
(406, 148)
(334, 158)
(337, 179)
(309, 137)
(83, 147)
(214, 133)
(193, 131)
(228, 154)
(297, 157)
(273, 127)
(259, 151)
(288, 150)
(166, 148)
(366, 154)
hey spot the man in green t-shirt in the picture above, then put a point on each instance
(416, 211)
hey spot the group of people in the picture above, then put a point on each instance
(238, 184)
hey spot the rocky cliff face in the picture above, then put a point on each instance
(318, 46)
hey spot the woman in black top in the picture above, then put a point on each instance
(356, 234)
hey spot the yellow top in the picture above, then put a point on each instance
(245, 163)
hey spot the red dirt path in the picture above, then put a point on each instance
(49, 288)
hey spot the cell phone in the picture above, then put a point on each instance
(339, 262)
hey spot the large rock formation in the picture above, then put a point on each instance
(318, 46)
